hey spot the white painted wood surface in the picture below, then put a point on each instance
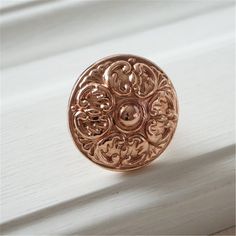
(48, 187)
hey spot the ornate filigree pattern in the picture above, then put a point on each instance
(123, 112)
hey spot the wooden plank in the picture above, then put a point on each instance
(59, 26)
(49, 188)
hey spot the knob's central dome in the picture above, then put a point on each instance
(129, 115)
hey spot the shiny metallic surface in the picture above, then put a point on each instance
(123, 112)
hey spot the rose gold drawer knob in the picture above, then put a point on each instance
(123, 112)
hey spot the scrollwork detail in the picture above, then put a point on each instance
(108, 150)
(119, 76)
(122, 151)
(95, 97)
(163, 112)
(91, 118)
(144, 81)
(136, 151)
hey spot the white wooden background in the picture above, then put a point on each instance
(47, 186)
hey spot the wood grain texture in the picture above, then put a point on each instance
(48, 187)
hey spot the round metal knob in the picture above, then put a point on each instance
(123, 112)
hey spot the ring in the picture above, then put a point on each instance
(123, 112)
